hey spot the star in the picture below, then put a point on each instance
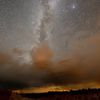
(73, 6)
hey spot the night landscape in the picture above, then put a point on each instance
(49, 49)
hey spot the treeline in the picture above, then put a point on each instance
(75, 93)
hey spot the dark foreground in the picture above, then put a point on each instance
(90, 94)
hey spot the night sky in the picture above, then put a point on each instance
(49, 44)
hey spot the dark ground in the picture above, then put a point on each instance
(84, 94)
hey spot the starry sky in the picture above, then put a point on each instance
(49, 44)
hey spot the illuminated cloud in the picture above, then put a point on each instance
(82, 67)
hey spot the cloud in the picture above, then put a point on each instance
(17, 51)
(42, 57)
(80, 65)
(4, 57)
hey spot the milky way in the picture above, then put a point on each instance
(42, 19)
(45, 40)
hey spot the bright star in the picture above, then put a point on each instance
(73, 6)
